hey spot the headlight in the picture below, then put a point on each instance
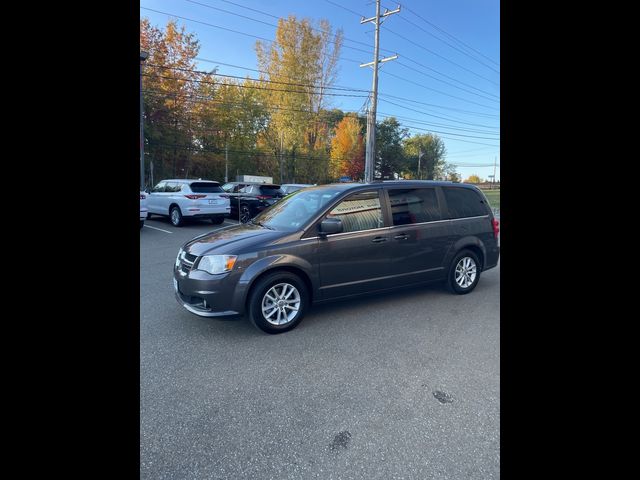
(216, 264)
(178, 257)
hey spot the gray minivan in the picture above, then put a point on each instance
(338, 241)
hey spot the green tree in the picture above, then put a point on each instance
(432, 163)
(389, 158)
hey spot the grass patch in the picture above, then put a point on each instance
(494, 197)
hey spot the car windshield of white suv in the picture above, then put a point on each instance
(292, 212)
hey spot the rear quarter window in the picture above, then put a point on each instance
(465, 202)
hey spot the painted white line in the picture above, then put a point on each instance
(166, 231)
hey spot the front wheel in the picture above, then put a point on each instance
(464, 272)
(176, 216)
(278, 302)
(217, 220)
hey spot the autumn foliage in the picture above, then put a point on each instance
(347, 149)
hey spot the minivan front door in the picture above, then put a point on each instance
(356, 260)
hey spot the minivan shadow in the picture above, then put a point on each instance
(327, 313)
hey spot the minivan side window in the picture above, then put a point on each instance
(360, 211)
(159, 187)
(464, 202)
(416, 205)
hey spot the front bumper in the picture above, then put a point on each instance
(205, 295)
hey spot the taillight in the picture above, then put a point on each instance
(142, 197)
(262, 197)
(195, 197)
(496, 227)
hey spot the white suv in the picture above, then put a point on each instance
(143, 208)
(179, 199)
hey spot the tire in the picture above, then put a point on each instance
(217, 220)
(271, 286)
(141, 224)
(148, 215)
(175, 216)
(464, 272)
(245, 214)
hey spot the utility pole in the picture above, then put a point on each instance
(281, 160)
(495, 159)
(226, 162)
(143, 57)
(420, 155)
(369, 165)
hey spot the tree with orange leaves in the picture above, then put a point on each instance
(347, 149)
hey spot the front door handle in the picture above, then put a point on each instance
(401, 236)
(379, 239)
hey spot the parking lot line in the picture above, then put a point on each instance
(155, 228)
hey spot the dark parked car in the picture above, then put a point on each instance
(338, 241)
(253, 198)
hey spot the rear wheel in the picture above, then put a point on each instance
(176, 216)
(278, 302)
(245, 214)
(217, 220)
(464, 272)
(148, 215)
(141, 224)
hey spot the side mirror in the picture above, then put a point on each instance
(330, 225)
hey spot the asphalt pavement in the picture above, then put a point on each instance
(397, 386)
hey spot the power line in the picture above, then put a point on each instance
(448, 44)
(227, 29)
(409, 100)
(450, 119)
(430, 51)
(269, 15)
(344, 8)
(354, 89)
(203, 100)
(267, 23)
(315, 29)
(250, 86)
(451, 84)
(451, 133)
(440, 56)
(446, 76)
(257, 79)
(470, 130)
(271, 41)
(438, 91)
(450, 36)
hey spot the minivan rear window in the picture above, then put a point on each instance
(464, 202)
(206, 187)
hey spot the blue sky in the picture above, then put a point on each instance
(447, 87)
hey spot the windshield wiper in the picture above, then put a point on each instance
(261, 224)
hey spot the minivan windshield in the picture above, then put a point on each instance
(292, 212)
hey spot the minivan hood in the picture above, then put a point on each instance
(231, 240)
